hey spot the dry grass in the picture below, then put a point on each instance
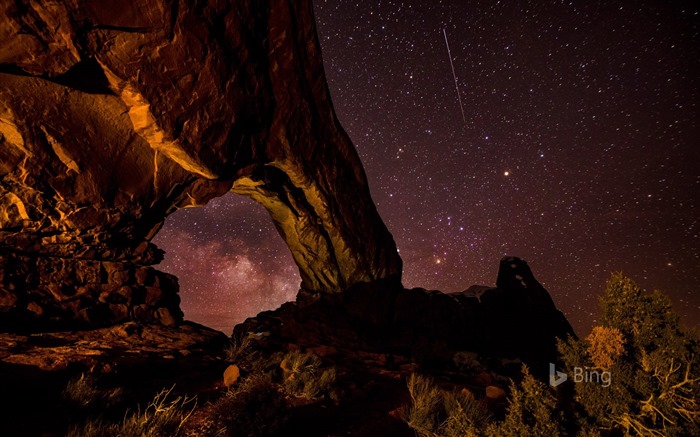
(434, 412)
(255, 408)
(164, 416)
(422, 414)
(303, 375)
(84, 393)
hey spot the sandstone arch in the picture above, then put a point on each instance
(113, 114)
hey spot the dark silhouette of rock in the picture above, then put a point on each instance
(115, 114)
(508, 321)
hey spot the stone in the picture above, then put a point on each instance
(35, 308)
(115, 114)
(285, 365)
(120, 313)
(231, 375)
(484, 378)
(495, 392)
(466, 360)
(126, 330)
(141, 313)
(143, 277)
(153, 295)
(165, 317)
(323, 351)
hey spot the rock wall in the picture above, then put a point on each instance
(113, 114)
(75, 293)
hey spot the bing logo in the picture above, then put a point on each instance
(556, 377)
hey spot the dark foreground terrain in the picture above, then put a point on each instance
(311, 370)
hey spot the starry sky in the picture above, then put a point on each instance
(575, 146)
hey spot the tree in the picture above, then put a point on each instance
(532, 411)
(605, 345)
(654, 365)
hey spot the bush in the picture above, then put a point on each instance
(242, 352)
(423, 413)
(655, 381)
(84, 393)
(465, 415)
(532, 411)
(436, 412)
(256, 408)
(238, 348)
(303, 375)
(605, 345)
(162, 417)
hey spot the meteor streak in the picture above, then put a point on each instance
(454, 75)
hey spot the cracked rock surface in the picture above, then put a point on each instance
(113, 114)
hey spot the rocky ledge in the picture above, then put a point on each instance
(138, 359)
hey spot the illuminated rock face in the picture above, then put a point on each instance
(113, 114)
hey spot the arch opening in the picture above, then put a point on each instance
(230, 261)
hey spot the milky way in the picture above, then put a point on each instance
(580, 153)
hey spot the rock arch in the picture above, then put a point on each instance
(113, 114)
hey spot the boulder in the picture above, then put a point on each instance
(495, 392)
(231, 375)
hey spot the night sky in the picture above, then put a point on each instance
(577, 150)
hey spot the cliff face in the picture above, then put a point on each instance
(113, 114)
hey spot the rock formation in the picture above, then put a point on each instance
(516, 319)
(113, 114)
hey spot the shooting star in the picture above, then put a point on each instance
(454, 75)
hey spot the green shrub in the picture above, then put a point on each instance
(532, 411)
(655, 378)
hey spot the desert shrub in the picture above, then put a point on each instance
(238, 348)
(256, 408)
(303, 375)
(164, 416)
(423, 413)
(605, 345)
(466, 362)
(95, 427)
(436, 412)
(466, 416)
(654, 382)
(532, 411)
(84, 393)
(242, 352)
